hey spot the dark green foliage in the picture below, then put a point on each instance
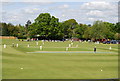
(117, 27)
(80, 30)
(46, 26)
(10, 30)
(69, 28)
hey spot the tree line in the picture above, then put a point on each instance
(46, 26)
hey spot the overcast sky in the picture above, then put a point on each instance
(83, 11)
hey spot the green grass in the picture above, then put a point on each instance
(58, 65)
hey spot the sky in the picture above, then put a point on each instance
(83, 11)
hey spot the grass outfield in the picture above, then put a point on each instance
(19, 64)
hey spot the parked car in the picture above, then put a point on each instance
(118, 41)
(106, 42)
(114, 42)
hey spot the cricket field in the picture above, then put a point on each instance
(55, 60)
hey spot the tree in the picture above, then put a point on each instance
(10, 29)
(117, 31)
(69, 28)
(80, 30)
(117, 36)
(117, 27)
(100, 30)
(109, 32)
(46, 26)
(22, 31)
(54, 28)
(87, 33)
(28, 23)
(4, 29)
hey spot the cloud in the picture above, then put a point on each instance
(12, 17)
(30, 10)
(64, 6)
(17, 17)
(100, 10)
(57, 0)
(88, 12)
(95, 13)
(101, 5)
(59, 7)
(63, 15)
(85, 12)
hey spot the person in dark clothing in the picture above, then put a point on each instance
(95, 49)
